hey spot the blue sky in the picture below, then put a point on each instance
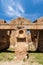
(11, 9)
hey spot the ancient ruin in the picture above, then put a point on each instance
(22, 35)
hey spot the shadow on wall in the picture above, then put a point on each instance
(4, 40)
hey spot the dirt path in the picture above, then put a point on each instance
(18, 63)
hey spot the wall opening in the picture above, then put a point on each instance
(21, 32)
(21, 39)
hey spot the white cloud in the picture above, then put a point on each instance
(37, 1)
(12, 12)
(17, 11)
(12, 8)
(20, 8)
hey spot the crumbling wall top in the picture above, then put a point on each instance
(39, 20)
(20, 21)
(2, 21)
